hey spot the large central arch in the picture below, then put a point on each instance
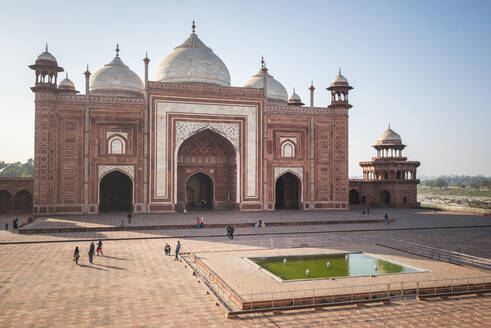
(115, 192)
(212, 155)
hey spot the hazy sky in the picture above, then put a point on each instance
(422, 66)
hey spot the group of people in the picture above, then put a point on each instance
(92, 251)
(178, 249)
(230, 231)
(200, 221)
(260, 224)
(15, 224)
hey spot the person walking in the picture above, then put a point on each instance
(91, 252)
(76, 255)
(167, 249)
(14, 223)
(232, 232)
(99, 248)
(178, 248)
(198, 221)
(386, 218)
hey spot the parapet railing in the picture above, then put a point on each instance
(359, 294)
(439, 254)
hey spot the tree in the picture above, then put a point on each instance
(440, 183)
(475, 185)
(18, 169)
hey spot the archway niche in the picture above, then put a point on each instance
(23, 200)
(385, 198)
(115, 193)
(206, 155)
(354, 197)
(287, 191)
(199, 192)
(5, 201)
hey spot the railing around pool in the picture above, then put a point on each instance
(438, 254)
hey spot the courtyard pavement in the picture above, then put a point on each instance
(135, 285)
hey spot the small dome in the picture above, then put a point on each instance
(67, 85)
(339, 80)
(275, 90)
(47, 56)
(116, 78)
(295, 99)
(193, 62)
(389, 137)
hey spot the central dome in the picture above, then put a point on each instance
(193, 62)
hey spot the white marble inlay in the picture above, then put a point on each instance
(298, 171)
(185, 129)
(128, 169)
(162, 179)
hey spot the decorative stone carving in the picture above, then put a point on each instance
(185, 129)
(298, 171)
(128, 169)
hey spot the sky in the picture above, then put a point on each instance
(422, 66)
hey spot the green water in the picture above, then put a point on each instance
(340, 265)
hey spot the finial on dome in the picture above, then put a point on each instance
(146, 54)
(117, 49)
(46, 46)
(389, 125)
(340, 70)
(66, 75)
(293, 90)
(263, 63)
(87, 67)
(193, 26)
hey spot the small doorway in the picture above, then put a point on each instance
(199, 192)
(385, 198)
(287, 191)
(354, 197)
(116, 193)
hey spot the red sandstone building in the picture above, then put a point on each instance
(188, 139)
(389, 180)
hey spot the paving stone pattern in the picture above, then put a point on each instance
(135, 285)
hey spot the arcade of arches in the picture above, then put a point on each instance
(206, 172)
(287, 192)
(20, 202)
(115, 192)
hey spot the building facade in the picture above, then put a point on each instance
(389, 180)
(186, 140)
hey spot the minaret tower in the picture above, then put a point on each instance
(45, 139)
(339, 92)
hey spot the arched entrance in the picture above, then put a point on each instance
(385, 198)
(199, 191)
(5, 201)
(23, 201)
(287, 191)
(354, 197)
(213, 157)
(115, 192)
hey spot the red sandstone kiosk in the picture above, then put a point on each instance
(389, 180)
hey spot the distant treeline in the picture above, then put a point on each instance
(17, 169)
(458, 180)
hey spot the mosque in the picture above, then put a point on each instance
(189, 140)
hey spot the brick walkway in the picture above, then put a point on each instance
(135, 285)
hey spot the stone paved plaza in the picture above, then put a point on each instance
(135, 285)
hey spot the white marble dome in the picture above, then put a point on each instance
(193, 62)
(46, 56)
(116, 78)
(389, 136)
(274, 91)
(66, 84)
